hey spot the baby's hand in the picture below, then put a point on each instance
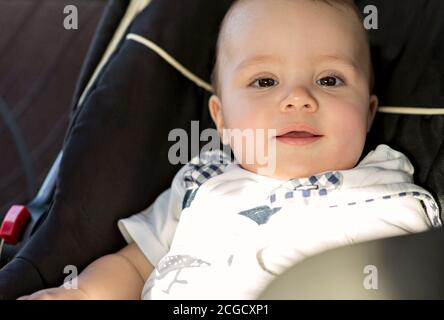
(59, 293)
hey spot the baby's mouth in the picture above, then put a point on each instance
(298, 138)
(299, 134)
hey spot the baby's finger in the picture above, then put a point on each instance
(23, 297)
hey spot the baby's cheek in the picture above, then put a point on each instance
(350, 133)
(350, 120)
(239, 119)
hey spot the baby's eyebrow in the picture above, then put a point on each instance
(256, 60)
(346, 61)
(260, 59)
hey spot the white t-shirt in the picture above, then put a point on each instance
(241, 229)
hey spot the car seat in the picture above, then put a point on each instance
(148, 72)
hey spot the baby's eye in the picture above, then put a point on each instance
(330, 81)
(264, 83)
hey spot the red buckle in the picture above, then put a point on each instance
(13, 224)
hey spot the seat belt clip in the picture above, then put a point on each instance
(13, 224)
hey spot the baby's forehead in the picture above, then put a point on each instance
(259, 26)
(247, 18)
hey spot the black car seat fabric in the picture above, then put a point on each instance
(407, 52)
(115, 159)
(111, 18)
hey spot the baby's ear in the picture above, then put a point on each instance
(215, 106)
(373, 107)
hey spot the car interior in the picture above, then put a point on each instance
(147, 72)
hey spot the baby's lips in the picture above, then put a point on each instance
(298, 134)
(301, 129)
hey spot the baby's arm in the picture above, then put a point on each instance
(115, 276)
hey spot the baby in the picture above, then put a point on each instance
(300, 70)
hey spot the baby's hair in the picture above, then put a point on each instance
(350, 4)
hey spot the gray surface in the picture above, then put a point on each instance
(408, 267)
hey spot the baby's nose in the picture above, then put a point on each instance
(301, 99)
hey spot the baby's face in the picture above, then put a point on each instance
(299, 66)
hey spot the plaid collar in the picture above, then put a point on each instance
(318, 185)
(204, 167)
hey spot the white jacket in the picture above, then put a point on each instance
(224, 233)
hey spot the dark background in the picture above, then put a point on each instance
(40, 63)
